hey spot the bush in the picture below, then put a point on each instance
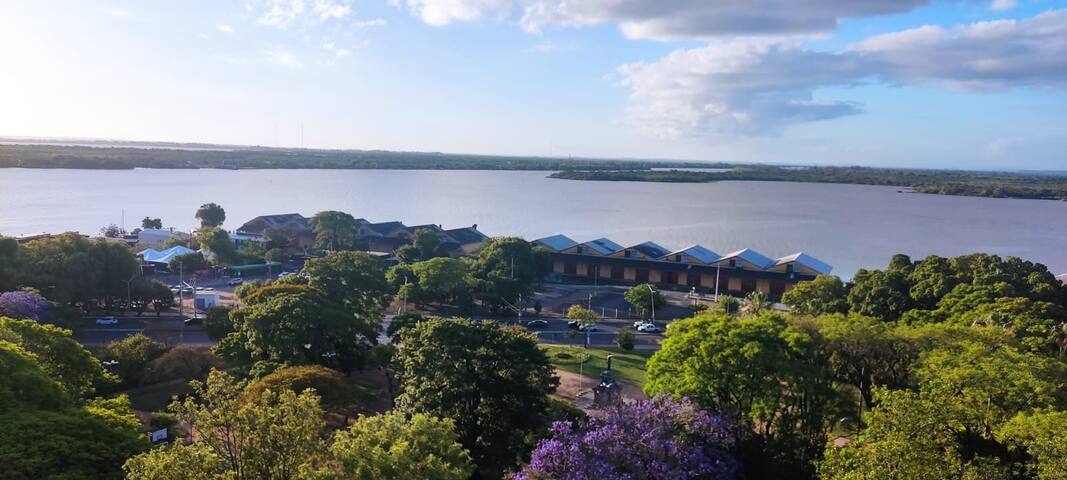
(331, 386)
(158, 420)
(217, 322)
(625, 340)
(184, 362)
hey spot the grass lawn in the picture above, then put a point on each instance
(629, 365)
(156, 397)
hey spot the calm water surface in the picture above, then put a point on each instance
(848, 226)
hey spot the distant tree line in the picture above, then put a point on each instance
(942, 182)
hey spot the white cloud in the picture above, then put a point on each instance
(377, 22)
(283, 58)
(443, 12)
(1001, 5)
(665, 19)
(343, 52)
(758, 86)
(285, 13)
(225, 29)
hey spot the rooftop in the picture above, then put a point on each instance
(556, 242)
(603, 246)
(698, 252)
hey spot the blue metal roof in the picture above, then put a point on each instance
(557, 242)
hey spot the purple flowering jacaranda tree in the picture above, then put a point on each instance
(25, 305)
(653, 439)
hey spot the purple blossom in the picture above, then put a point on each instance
(25, 305)
(654, 439)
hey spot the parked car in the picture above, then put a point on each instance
(194, 321)
(573, 324)
(107, 321)
(235, 281)
(587, 327)
(537, 323)
(649, 328)
(638, 323)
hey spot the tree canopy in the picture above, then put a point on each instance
(391, 445)
(210, 215)
(335, 230)
(492, 382)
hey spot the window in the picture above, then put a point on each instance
(578, 249)
(678, 258)
(626, 254)
(789, 268)
(733, 263)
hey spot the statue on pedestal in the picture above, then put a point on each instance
(608, 392)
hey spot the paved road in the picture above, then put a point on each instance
(166, 329)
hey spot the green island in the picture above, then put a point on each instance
(126, 155)
(1034, 185)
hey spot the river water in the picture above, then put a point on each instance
(848, 226)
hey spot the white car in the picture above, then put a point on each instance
(648, 328)
(638, 323)
(235, 281)
(107, 321)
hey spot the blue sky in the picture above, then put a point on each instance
(915, 83)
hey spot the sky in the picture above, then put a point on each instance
(907, 83)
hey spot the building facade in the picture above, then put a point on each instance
(694, 268)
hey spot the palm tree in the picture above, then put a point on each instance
(757, 302)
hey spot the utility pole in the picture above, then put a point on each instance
(718, 266)
(652, 301)
(181, 301)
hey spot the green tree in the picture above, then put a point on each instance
(932, 279)
(275, 436)
(865, 353)
(625, 340)
(217, 322)
(176, 462)
(60, 355)
(133, 354)
(825, 294)
(149, 222)
(277, 238)
(298, 324)
(218, 242)
(586, 319)
(184, 362)
(492, 382)
(766, 373)
(333, 389)
(645, 299)
(756, 302)
(335, 230)
(882, 295)
(1042, 435)
(394, 446)
(425, 244)
(947, 427)
(506, 269)
(356, 279)
(440, 280)
(729, 304)
(9, 264)
(71, 269)
(210, 215)
(401, 322)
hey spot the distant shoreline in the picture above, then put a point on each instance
(938, 182)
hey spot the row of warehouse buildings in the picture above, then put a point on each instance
(692, 268)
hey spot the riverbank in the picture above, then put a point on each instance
(1035, 186)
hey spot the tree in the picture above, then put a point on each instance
(652, 439)
(189, 262)
(184, 362)
(825, 294)
(866, 353)
(60, 356)
(401, 322)
(217, 322)
(882, 295)
(729, 304)
(133, 354)
(492, 382)
(625, 340)
(333, 389)
(756, 302)
(1042, 435)
(89, 442)
(335, 230)
(10, 268)
(149, 222)
(276, 436)
(356, 279)
(26, 305)
(210, 215)
(217, 241)
(277, 238)
(299, 324)
(586, 319)
(760, 370)
(947, 427)
(439, 280)
(144, 293)
(645, 299)
(425, 244)
(506, 269)
(391, 445)
(176, 462)
(112, 231)
(69, 268)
